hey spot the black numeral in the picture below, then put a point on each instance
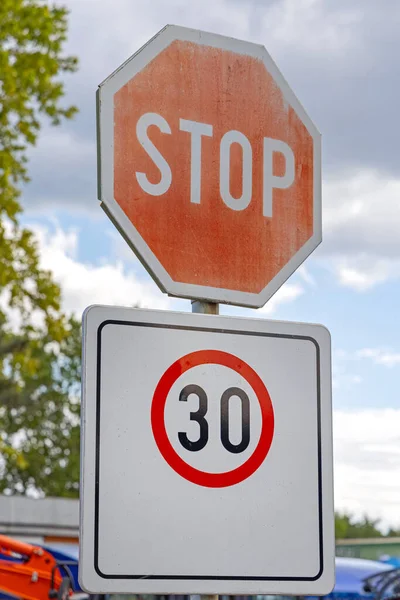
(226, 396)
(199, 417)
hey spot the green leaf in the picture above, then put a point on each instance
(39, 345)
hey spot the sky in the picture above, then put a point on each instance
(341, 60)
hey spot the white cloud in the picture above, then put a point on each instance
(380, 356)
(306, 276)
(361, 213)
(363, 272)
(129, 24)
(346, 363)
(361, 223)
(307, 24)
(84, 284)
(367, 463)
(287, 293)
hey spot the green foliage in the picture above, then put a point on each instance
(40, 419)
(39, 376)
(32, 34)
(347, 526)
(39, 346)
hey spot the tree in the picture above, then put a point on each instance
(347, 526)
(32, 34)
(39, 357)
(40, 419)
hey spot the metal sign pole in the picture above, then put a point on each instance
(207, 308)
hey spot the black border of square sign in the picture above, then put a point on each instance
(97, 455)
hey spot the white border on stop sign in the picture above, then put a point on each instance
(105, 146)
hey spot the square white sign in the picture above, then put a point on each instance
(206, 455)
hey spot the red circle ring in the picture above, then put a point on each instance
(214, 480)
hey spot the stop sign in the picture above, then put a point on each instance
(209, 167)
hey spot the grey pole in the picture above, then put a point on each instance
(207, 308)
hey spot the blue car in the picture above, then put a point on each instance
(356, 579)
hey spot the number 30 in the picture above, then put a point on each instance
(199, 417)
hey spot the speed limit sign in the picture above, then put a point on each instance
(248, 430)
(207, 455)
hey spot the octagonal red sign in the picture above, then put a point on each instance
(209, 167)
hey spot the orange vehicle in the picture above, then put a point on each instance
(31, 573)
